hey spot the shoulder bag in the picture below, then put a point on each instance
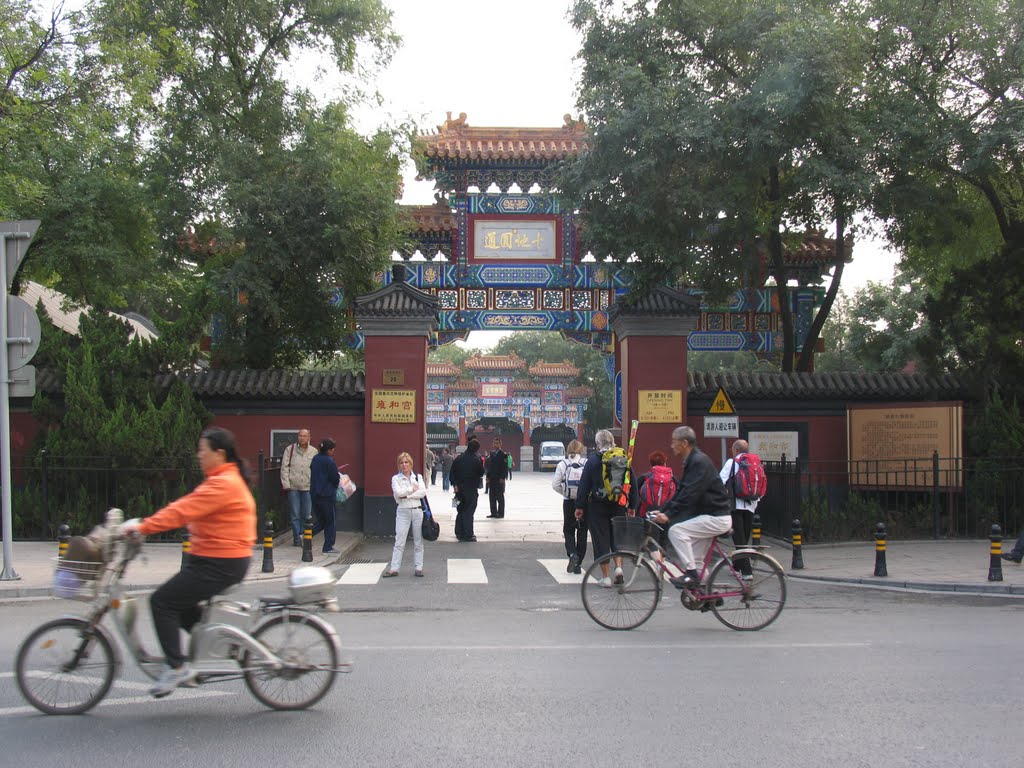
(431, 530)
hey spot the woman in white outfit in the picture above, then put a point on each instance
(408, 488)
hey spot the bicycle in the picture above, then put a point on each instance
(287, 655)
(744, 604)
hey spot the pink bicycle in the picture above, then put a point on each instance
(744, 599)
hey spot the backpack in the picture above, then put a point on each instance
(614, 470)
(749, 482)
(657, 490)
(573, 473)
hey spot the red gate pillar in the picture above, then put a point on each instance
(652, 341)
(396, 322)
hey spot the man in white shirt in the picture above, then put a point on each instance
(742, 510)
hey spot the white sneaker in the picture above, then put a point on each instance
(170, 679)
(605, 582)
(618, 576)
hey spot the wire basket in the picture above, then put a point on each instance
(628, 533)
(76, 579)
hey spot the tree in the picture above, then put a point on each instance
(720, 132)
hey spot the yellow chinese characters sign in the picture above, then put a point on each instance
(660, 406)
(393, 406)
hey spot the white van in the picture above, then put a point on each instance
(551, 452)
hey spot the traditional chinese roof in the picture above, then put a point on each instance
(456, 139)
(431, 218)
(579, 393)
(817, 249)
(524, 385)
(494, 363)
(467, 385)
(442, 369)
(565, 368)
(828, 386)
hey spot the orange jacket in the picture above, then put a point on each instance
(220, 514)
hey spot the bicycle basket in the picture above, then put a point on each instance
(78, 571)
(628, 533)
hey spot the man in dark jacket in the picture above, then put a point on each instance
(600, 510)
(701, 508)
(467, 471)
(497, 472)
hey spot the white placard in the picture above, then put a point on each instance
(721, 426)
(772, 446)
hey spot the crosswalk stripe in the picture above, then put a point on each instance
(362, 573)
(557, 570)
(467, 571)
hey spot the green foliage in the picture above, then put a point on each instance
(723, 362)
(453, 353)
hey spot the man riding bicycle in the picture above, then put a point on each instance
(701, 508)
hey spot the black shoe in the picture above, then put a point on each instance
(689, 580)
(468, 538)
(706, 605)
(492, 515)
(574, 564)
(1011, 557)
(577, 568)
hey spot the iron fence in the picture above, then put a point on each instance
(48, 491)
(916, 498)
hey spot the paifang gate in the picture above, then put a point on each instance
(497, 251)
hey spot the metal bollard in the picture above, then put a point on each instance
(880, 536)
(307, 539)
(798, 546)
(755, 530)
(186, 547)
(268, 546)
(995, 563)
(63, 537)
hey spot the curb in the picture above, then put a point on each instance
(15, 592)
(876, 582)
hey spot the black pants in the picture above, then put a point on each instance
(742, 524)
(175, 604)
(464, 517)
(574, 531)
(496, 493)
(324, 510)
(599, 517)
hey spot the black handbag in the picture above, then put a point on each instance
(431, 529)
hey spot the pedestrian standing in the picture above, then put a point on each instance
(742, 510)
(295, 463)
(591, 500)
(447, 458)
(496, 469)
(408, 489)
(429, 461)
(567, 482)
(467, 472)
(324, 479)
(509, 455)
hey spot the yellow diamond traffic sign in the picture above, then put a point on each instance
(721, 405)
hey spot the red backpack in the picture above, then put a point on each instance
(658, 489)
(749, 482)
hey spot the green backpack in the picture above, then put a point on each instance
(614, 471)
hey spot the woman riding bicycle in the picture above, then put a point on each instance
(220, 515)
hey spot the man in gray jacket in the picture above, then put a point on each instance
(295, 480)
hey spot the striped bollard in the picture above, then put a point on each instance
(880, 536)
(755, 530)
(798, 546)
(186, 547)
(307, 539)
(63, 537)
(995, 563)
(268, 546)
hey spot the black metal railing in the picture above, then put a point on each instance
(933, 498)
(47, 491)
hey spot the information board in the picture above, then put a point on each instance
(660, 406)
(393, 406)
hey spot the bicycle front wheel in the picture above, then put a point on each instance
(621, 603)
(65, 667)
(310, 657)
(747, 605)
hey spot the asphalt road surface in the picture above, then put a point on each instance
(510, 671)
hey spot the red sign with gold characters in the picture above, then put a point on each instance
(393, 406)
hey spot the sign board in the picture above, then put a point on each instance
(393, 406)
(23, 328)
(773, 446)
(23, 382)
(722, 404)
(660, 406)
(721, 426)
(393, 377)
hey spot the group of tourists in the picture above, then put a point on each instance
(439, 463)
(310, 479)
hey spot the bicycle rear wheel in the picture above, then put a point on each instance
(626, 605)
(311, 658)
(65, 667)
(748, 605)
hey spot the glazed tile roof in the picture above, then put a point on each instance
(326, 385)
(579, 393)
(565, 368)
(662, 302)
(816, 249)
(526, 386)
(442, 369)
(397, 299)
(463, 385)
(456, 139)
(431, 218)
(494, 363)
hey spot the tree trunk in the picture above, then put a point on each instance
(778, 271)
(806, 362)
